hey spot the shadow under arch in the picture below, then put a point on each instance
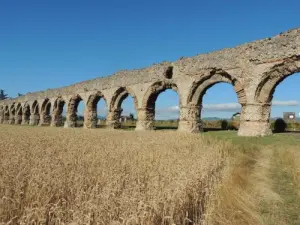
(115, 108)
(91, 115)
(146, 114)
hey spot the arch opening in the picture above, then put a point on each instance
(19, 114)
(169, 103)
(217, 102)
(285, 104)
(75, 112)
(35, 114)
(95, 111)
(26, 114)
(123, 109)
(46, 116)
(265, 92)
(59, 113)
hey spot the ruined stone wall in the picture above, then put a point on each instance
(254, 69)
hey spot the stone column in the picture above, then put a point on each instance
(18, 119)
(190, 119)
(5, 119)
(145, 120)
(11, 119)
(1, 116)
(254, 120)
(25, 119)
(57, 119)
(34, 120)
(90, 118)
(71, 120)
(44, 119)
(113, 119)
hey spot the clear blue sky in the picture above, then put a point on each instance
(48, 44)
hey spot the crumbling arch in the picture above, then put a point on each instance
(272, 78)
(26, 113)
(12, 112)
(19, 113)
(6, 114)
(35, 113)
(115, 108)
(146, 114)
(90, 116)
(46, 112)
(57, 112)
(191, 113)
(72, 111)
(200, 87)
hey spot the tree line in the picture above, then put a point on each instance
(4, 96)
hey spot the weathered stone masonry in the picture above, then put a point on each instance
(254, 69)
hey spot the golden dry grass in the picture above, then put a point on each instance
(75, 176)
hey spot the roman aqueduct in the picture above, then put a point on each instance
(254, 69)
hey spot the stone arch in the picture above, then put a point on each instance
(146, 114)
(154, 90)
(1, 114)
(272, 78)
(35, 108)
(120, 95)
(18, 114)
(6, 114)
(72, 110)
(46, 112)
(35, 113)
(200, 87)
(190, 114)
(90, 115)
(57, 112)
(115, 109)
(26, 113)
(12, 112)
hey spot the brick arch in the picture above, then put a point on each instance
(120, 95)
(272, 78)
(200, 87)
(155, 89)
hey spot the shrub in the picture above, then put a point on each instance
(280, 126)
(224, 124)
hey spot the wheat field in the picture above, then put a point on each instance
(76, 176)
(56, 176)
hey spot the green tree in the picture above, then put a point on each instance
(2, 95)
(131, 116)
